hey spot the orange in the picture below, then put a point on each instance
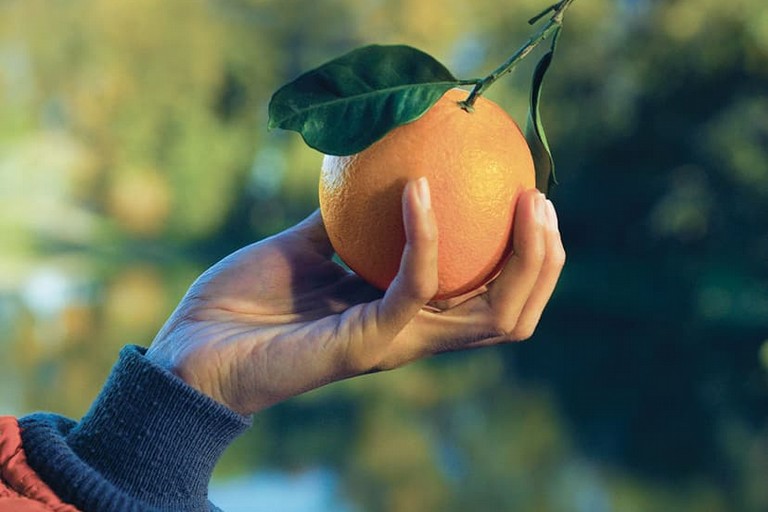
(476, 163)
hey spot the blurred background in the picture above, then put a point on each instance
(134, 153)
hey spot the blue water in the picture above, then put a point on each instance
(314, 490)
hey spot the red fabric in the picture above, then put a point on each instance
(21, 490)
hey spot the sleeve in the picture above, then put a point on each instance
(148, 443)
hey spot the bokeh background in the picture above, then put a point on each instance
(134, 153)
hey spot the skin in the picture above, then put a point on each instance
(279, 317)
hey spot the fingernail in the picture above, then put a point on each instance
(541, 209)
(422, 192)
(551, 215)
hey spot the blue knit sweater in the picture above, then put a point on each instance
(148, 443)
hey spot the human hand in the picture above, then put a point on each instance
(279, 317)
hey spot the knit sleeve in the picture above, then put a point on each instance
(148, 443)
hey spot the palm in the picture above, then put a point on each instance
(279, 317)
(286, 287)
(289, 278)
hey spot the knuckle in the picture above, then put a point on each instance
(533, 257)
(515, 331)
(522, 333)
(416, 290)
(387, 364)
(558, 258)
(500, 326)
(423, 291)
(359, 363)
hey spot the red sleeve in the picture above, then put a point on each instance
(21, 489)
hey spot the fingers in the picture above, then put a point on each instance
(509, 310)
(511, 289)
(553, 263)
(526, 283)
(416, 280)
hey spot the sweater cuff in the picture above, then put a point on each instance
(149, 442)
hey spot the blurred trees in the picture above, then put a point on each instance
(134, 152)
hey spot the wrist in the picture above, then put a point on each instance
(194, 368)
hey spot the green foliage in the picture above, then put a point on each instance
(347, 104)
(534, 127)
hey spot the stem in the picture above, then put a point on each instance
(544, 32)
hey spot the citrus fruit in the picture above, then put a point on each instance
(476, 162)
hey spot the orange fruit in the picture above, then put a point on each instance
(476, 163)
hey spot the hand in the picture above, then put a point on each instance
(279, 317)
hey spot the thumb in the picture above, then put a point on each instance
(416, 280)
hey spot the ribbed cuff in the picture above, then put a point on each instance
(149, 442)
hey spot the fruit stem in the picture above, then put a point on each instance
(554, 23)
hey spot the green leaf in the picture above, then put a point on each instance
(534, 130)
(347, 104)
